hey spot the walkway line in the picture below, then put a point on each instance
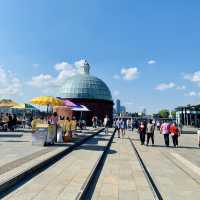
(187, 163)
(82, 195)
(154, 188)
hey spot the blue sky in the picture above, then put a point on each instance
(146, 51)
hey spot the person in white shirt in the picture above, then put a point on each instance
(122, 127)
(106, 123)
(118, 125)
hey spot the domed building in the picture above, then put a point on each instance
(89, 91)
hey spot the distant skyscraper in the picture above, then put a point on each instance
(118, 106)
(123, 109)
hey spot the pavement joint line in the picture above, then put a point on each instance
(187, 163)
(182, 169)
(20, 179)
(156, 193)
(16, 163)
(98, 165)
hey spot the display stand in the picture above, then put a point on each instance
(45, 134)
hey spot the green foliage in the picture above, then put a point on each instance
(164, 113)
(173, 114)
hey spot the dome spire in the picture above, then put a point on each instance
(84, 67)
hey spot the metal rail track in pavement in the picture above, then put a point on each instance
(21, 179)
(90, 183)
(152, 184)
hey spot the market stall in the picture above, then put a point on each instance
(45, 131)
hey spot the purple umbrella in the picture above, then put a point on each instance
(70, 104)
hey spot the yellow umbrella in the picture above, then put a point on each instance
(7, 103)
(47, 100)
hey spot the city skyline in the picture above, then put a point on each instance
(146, 52)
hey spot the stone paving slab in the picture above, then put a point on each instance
(175, 179)
(122, 177)
(65, 178)
(16, 151)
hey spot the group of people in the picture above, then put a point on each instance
(166, 129)
(61, 128)
(68, 125)
(119, 125)
(8, 121)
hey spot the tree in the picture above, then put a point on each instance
(164, 113)
(173, 114)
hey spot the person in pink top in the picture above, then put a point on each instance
(165, 130)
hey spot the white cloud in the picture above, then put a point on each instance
(65, 71)
(183, 87)
(192, 94)
(194, 77)
(171, 85)
(79, 63)
(151, 62)
(129, 73)
(165, 86)
(36, 65)
(41, 81)
(116, 76)
(128, 103)
(47, 82)
(10, 85)
(116, 93)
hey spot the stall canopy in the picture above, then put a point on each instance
(24, 106)
(69, 104)
(47, 100)
(80, 108)
(75, 107)
(7, 103)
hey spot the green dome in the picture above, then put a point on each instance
(85, 86)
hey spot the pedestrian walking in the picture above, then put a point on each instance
(118, 126)
(158, 125)
(94, 121)
(128, 123)
(132, 124)
(198, 136)
(142, 132)
(175, 133)
(106, 123)
(150, 132)
(122, 127)
(164, 129)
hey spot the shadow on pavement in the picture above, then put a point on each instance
(10, 135)
(95, 148)
(189, 132)
(14, 141)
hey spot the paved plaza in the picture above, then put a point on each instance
(17, 149)
(64, 179)
(122, 176)
(175, 171)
